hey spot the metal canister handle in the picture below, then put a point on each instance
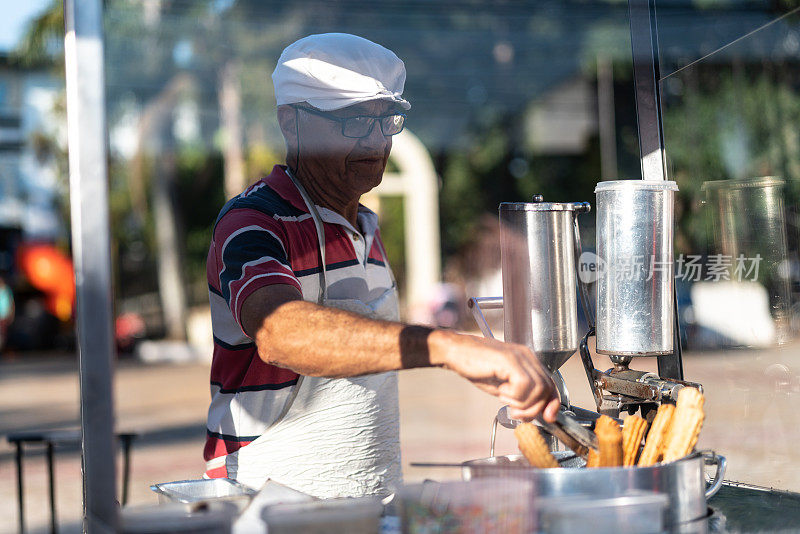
(583, 288)
(711, 458)
(494, 437)
(505, 421)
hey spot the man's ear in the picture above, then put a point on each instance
(286, 120)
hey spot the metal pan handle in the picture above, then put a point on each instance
(477, 305)
(710, 458)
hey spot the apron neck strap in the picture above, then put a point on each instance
(312, 210)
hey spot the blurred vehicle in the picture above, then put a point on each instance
(37, 294)
(6, 311)
(129, 329)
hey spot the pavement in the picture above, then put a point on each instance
(753, 418)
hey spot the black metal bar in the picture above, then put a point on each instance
(644, 48)
(51, 473)
(20, 489)
(588, 366)
(671, 365)
(676, 362)
(126, 465)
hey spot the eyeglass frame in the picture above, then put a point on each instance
(343, 120)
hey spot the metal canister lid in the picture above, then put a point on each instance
(743, 183)
(539, 205)
(641, 185)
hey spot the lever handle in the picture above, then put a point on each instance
(489, 303)
(583, 288)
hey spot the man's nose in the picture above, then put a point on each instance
(375, 138)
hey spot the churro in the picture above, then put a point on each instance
(632, 434)
(690, 398)
(593, 460)
(686, 424)
(533, 446)
(609, 441)
(654, 444)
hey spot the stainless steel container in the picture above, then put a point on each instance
(748, 216)
(682, 481)
(635, 287)
(749, 230)
(537, 242)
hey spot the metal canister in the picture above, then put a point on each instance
(537, 241)
(749, 226)
(748, 217)
(635, 287)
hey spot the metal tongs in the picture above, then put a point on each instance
(570, 432)
(566, 429)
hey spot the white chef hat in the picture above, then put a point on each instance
(335, 70)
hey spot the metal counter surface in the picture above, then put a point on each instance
(755, 509)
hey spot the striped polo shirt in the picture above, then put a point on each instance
(262, 237)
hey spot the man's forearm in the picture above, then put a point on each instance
(314, 340)
(318, 341)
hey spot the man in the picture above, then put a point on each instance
(304, 304)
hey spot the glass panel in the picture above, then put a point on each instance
(730, 123)
(509, 100)
(690, 30)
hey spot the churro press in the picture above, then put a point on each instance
(632, 273)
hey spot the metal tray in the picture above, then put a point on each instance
(192, 492)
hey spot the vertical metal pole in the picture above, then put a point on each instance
(126, 465)
(644, 47)
(20, 489)
(52, 475)
(606, 119)
(86, 130)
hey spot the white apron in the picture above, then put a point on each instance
(336, 437)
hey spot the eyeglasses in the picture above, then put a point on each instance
(361, 125)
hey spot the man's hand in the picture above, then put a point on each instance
(508, 371)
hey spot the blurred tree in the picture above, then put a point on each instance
(42, 43)
(722, 125)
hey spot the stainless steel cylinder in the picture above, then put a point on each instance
(748, 216)
(537, 243)
(635, 294)
(749, 226)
